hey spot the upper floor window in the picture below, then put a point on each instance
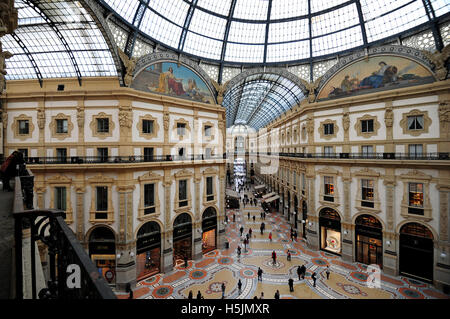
(367, 193)
(24, 127)
(415, 122)
(367, 150)
(328, 129)
(62, 126)
(328, 150)
(209, 188)
(147, 126)
(415, 150)
(60, 198)
(101, 205)
(329, 188)
(181, 129)
(102, 125)
(148, 154)
(182, 193)
(149, 198)
(24, 152)
(366, 126)
(102, 153)
(416, 199)
(61, 153)
(208, 130)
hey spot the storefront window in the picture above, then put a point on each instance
(148, 248)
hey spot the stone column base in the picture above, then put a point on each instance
(312, 240)
(167, 261)
(347, 251)
(125, 273)
(390, 264)
(197, 249)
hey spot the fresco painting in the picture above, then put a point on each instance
(375, 74)
(175, 80)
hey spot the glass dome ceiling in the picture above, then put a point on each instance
(272, 31)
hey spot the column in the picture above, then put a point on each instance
(197, 222)
(347, 228)
(390, 239)
(167, 242)
(221, 213)
(312, 227)
(126, 246)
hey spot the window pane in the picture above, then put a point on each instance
(102, 198)
(149, 195)
(60, 198)
(182, 184)
(209, 185)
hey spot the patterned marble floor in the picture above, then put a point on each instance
(347, 280)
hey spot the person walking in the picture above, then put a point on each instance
(274, 257)
(299, 272)
(328, 272)
(303, 271)
(239, 252)
(223, 290)
(129, 290)
(239, 286)
(260, 273)
(262, 295)
(234, 218)
(291, 284)
(261, 214)
(241, 230)
(199, 295)
(250, 231)
(270, 236)
(295, 235)
(313, 276)
(277, 294)
(288, 255)
(190, 296)
(186, 262)
(254, 218)
(248, 214)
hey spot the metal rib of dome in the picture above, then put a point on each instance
(271, 31)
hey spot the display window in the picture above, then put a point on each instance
(182, 248)
(331, 240)
(106, 266)
(209, 241)
(148, 263)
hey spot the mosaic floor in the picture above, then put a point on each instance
(346, 281)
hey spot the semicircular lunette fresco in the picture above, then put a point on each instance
(174, 80)
(378, 73)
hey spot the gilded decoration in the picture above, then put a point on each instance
(322, 129)
(53, 126)
(438, 58)
(426, 122)
(140, 125)
(15, 127)
(358, 126)
(94, 128)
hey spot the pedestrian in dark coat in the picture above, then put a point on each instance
(254, 218)
(260, 273)
(299, 272)
(313, 276)
(239, 286)
(328, 272)
(190, 296)
(277, 295)
(291, 284)
(241, 230)
(199, 295)
(274, 257)
(303, 271)
(250, 232)
(223, 290)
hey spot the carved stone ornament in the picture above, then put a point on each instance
(125, 117)
(41, 118)
(166, 121)
(80, 116)
(389, 117)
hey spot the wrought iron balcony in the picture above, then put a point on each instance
(369, 156)
(72, 274)
(118, 159)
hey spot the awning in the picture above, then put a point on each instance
(232, 193)
(268, 195)
(271, 199)
(260, 187)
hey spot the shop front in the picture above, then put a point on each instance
(369, 240)
(209, 228)
(148, 250)
(102, 251)
(416, 252)
(182, 239)
(330, 231)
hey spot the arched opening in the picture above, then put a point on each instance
(369, 240)
(416, 252)
(182, 238)
(209, 228)
(102, 250)
(330, 230)
(148, 250)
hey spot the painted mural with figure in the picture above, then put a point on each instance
(175, 80)
(377, 73)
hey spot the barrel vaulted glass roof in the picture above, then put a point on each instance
(260, 98)
(272, 31)
(56, 39)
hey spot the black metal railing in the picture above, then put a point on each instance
(391, 156)
(118, 159)
(72, 274)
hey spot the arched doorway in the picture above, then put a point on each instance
(369, 240)
(295, 211)
(416, 252)
(182, 238)
(102, 250)
(209, 228)
(148, 250)
(330, 230)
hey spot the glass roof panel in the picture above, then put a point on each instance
(247, 32)
(251, 9)
(126, 9)
(221, 7)
(288, 8)
(395, 22)
(244, 53)
(440, 7)
(166, 32)
(334, 20)
(338, 41)
(319, 5)
(199, 45)
(174, 10)
(208, 25)
(289, 31)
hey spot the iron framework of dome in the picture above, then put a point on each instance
(271, 31)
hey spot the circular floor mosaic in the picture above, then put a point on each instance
(352, 289)
(360, 276)
(197, 274)
(225, 261)
(320, 262)
(411, 293)
(269, 263)
(162, 291)
(248, 273)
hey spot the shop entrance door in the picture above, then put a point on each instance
(182, 239)
(369, 244)
(416, 252)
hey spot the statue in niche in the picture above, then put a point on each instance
(389, 117)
